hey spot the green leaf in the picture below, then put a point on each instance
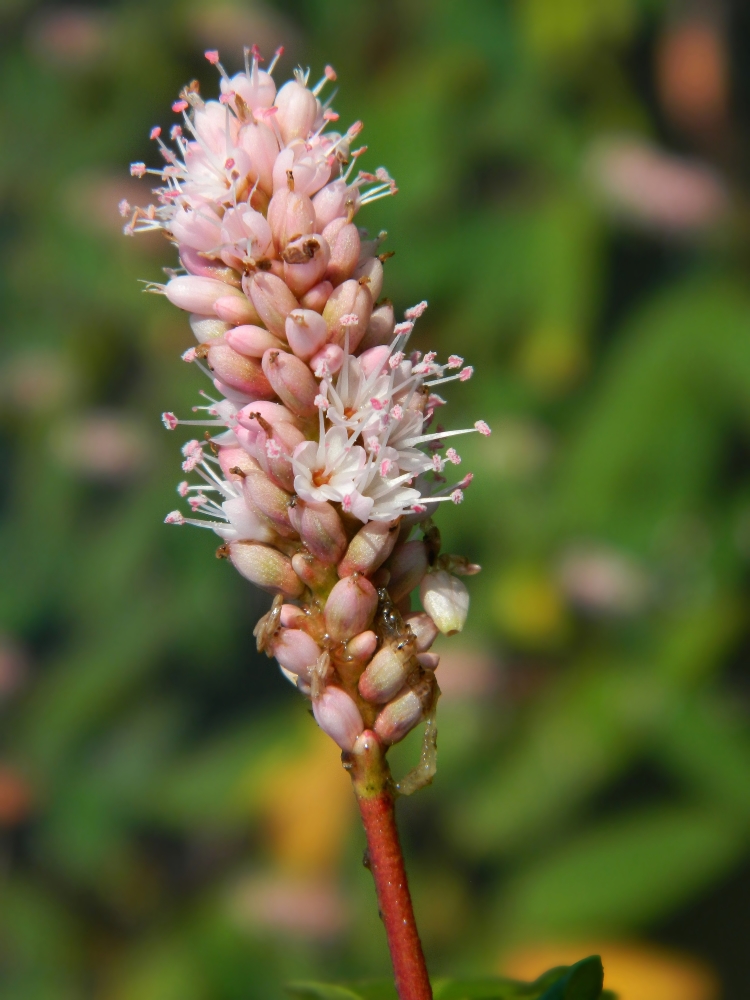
(582, 981)
(322, 991)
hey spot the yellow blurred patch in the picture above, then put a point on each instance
(529, 608)
(634, 971)
(552, 358)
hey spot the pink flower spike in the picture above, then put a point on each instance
(454, 361)
(179, 106)
(174, 517)
(457, 496)
(466, 375)
(483, 428)
(416, 311)
(212, 55)
(453, 456)
(137, 169)
(170, 421)
(155, 132)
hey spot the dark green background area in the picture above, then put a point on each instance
(594, 778)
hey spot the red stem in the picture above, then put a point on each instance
(374, 790)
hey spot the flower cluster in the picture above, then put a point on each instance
(318, 463)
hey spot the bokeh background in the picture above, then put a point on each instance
(574, 204)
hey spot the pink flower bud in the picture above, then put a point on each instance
(320, 528)
(245, 234)
(374, 360)
(261, 144)
(361, 648)
(306, 332)
(295, 650)
(297, 112)
(407, 565)
(269, 501)
(290, 215)
(266, 567)
(371, 271)
(196, 294)
(239, 372)
(349, 299)
(317, 297)
(369, 548)
(206, 267)
(343, 239)
(207, 328)
(337, 714)
(200, 230)
(236, 458)
(272, 413)
(335, 200)
(274, 446)
(257, 90)
(292, 616)
(387, 672)
(424, 628)
(330, 357)
(319, 577)
(430, 661)
(292, 380)
(380, 328)
(446, 600)
(273, 300)
(307, 163)
(252, 341)
(350, 607)
(399, 717)
(305, 262)
(236, 309)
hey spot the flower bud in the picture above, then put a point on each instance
(199, 230)
(295, 650)
(306, 332)
(387, 672)
(337, 714)
(290, 215)
(268, 500)
(446, 600)
(349, 299)
(236, 458)
(430, 661)
(331, 356)
(266, 567)
(406, 710)
(407, 565)
(245, 235)
(292, 617)
(239, 372)
(196, 294)
(252, 341)
(236, 309)
(272, 299)
(369, 548)
(380, 328)
(424, 628)
(350, 607)
(272, 413)
(374, 359)
(275, 450)
(343, 239)
(361, 648)
(319, 577)
(305, 262)
(297, 112)
(207, 328)
(320, 528)
(292, 381)
(308, 165)
(260, 142)
(371, 269)
(335, 200)
(196, 263)
(317, 297)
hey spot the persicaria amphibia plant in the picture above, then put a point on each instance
(319, 466)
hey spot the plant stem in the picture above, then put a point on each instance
(373, 786)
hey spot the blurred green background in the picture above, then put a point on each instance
(573, 203)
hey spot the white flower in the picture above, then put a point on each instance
(327, 469)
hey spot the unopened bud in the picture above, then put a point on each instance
(305, 262)
(235, 462)
(297, 111)
(295, 650)
(424, 628)
(430, 661)
(252, 341)
(387, 672)
(207, 328)
(344, 241)
(335, 200)
(292, 381)
(269, 501)
(337, 714)
(262, 146)
(272, 299)
(371, 268)
(407, 565)
(317, 297)
(198, 230)
(195, 263)
(349, 299)
(290, 215)
(380, 329)
(369, 548)
(320, 528)
(239, 372)
(331, 357)
(406, 710)
(361, 648)
(446, 600)
(306, 332)
(350, 607)
(198, 295)
(318, 576)
(236, 309)
(266, 567)
(374, 359)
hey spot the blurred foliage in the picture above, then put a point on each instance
(172, 824)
